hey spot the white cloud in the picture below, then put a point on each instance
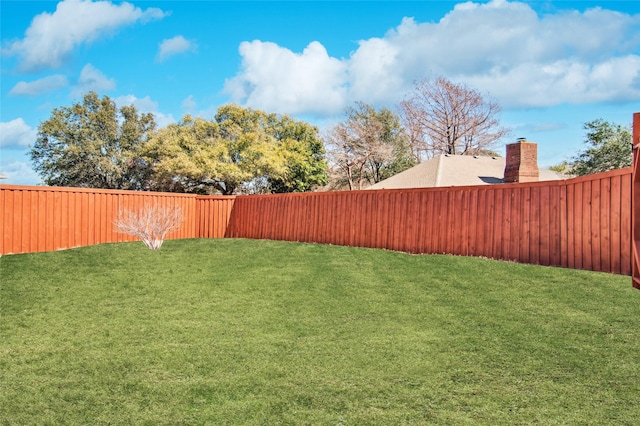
(504, 48)
(374, 65)
(524, 59)
(188, 104)
(18, 173)
(92, 79)
(276, 79)
(16, 133)
(52, 37)
(37, 87)
(563, 81)
(145, 105)
(173, 46)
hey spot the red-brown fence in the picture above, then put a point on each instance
(635, 250)
(36, 219)
(582, 223)
(213, 216)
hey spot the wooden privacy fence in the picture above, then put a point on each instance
(635, 192)
(36, 219)
(582, 223)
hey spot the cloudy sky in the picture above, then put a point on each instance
(552, 65)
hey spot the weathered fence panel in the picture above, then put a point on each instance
(582, 223)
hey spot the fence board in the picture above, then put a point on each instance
(430, 224)
(345, 224)
(555, 257)
(515, 215)
(544, 227)
(25, 211)
(458, 224)
(496, 206)
(605, 222)
(579, 213)
(625, 228)
(363, 227)
(396, 219)
(505, 223)
(595, 227)
(587, 241)
(483, 225)
(570, 240)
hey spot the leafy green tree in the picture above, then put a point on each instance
(182, 155)
(93, 144)
(368, 146)
(240, 150)
(303, 155)
(609, 147)
(562, 167)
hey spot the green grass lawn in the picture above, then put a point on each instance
(259, 332)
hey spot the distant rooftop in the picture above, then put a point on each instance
(455, 170)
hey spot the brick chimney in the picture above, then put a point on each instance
(522, 162)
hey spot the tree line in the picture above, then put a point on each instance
(93, 143)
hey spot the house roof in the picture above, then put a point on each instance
(454, 170)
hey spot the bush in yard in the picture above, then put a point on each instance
(151, 224)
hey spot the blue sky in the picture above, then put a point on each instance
(552, 65)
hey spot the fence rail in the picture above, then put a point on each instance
(582, 223)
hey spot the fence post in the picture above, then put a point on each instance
(635, 203)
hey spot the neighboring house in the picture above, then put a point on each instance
(520, 165)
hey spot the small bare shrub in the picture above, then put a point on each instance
(151, 224)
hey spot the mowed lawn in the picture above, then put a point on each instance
(259, 332)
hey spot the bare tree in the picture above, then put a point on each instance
(368, 146)
(442, 117)
(151, 224)
(415, 133)
(346, 156)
